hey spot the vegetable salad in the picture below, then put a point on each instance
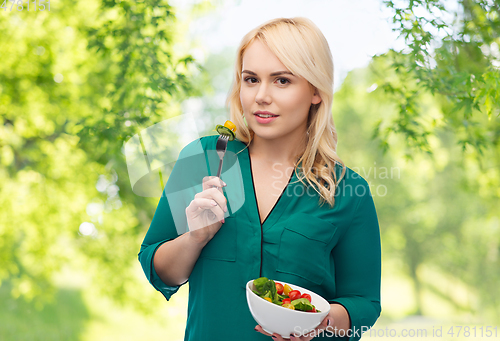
(284, 296)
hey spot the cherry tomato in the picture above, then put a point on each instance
(287, 289)
(279, 288)
(294, 294)
(306, 296)
(286, 301)
(230, 125)
(289, 306)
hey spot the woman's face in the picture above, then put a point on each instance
(269, 88)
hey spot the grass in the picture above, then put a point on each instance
(76, 314)
(64, 319)
(110, 322)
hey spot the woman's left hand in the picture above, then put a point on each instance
(315, 332)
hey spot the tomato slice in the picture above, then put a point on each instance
(287, 289)
(279, 288)
(294, 294)
(289, 306)
(306, 296)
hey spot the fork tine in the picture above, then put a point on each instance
(221, 147)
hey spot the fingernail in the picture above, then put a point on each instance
(223, 183)
(292, 336)
(255, 329)
(214, 203)
(223, 220)
(328, 323)
(275, 337)
(225, 208)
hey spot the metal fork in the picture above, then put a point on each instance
(221, 150)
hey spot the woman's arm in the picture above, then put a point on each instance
(170, 250)
(161, 232)
(174, 260)
(339, 319)
(358, 266)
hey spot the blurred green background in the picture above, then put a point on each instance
(421, 124)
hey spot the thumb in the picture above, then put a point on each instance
(328, 321)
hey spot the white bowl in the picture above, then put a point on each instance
(275, 319)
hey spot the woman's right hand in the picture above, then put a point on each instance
(205, 213)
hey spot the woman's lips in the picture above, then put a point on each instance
(263, 112)
(265, 120)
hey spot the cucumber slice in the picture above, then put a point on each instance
(225, 131)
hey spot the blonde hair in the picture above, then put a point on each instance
(302, 48)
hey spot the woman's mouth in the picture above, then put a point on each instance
(264, 117)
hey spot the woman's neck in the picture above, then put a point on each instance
(277, 150)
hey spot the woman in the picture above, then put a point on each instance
(267, 217)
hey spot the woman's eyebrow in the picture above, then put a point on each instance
(272, 74)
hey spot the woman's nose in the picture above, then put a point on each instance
(263, 95)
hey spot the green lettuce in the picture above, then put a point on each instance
(302, 304)
(259, 284)
(266, 288)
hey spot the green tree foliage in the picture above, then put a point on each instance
(457, 59)
(442, 91)
(75, 83)
(430, 219)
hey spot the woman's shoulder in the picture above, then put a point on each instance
(352, 181)
(351, 176)
(198, 146)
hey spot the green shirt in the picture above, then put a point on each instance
(334, 252)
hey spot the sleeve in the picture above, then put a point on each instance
(160, 231)
(169, 220)
(358, 268)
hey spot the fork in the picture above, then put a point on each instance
(221, 150)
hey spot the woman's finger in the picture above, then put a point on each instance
(309, 336)
(319, 330)
(213, 181)
(260, 330)
(198, 205)
(215, 194)
(274, 336)
(300, 338)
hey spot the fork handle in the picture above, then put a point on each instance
(220, 168)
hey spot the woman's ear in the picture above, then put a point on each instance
(316, 98)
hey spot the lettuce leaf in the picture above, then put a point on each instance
(302, 304)
(266, 288)
(259, 284)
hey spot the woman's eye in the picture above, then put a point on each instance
(253, 80)
(283, 81)
(250, 80)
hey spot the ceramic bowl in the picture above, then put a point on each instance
(276, 319)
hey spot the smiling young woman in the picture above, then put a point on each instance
(276, 224)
